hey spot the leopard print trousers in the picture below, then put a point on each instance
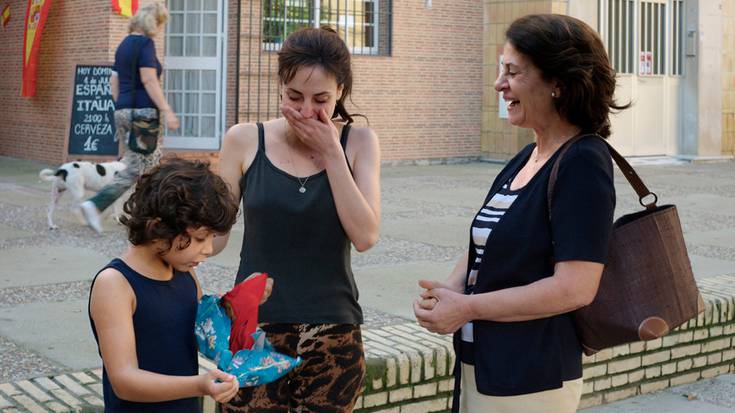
(328, 380)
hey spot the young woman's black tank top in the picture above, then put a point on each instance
(164, 336)
(298, 239)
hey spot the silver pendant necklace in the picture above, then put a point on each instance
(302, 189)
(302, 182)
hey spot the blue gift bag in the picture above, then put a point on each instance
(253, 367)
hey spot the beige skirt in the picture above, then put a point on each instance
(562, 400)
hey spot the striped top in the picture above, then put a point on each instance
(485, 220)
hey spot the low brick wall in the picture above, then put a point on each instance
(409, 369)
(700, 349)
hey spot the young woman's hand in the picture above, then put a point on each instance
(321, 135)
(268, 286)
(220, 385)
(268, 290)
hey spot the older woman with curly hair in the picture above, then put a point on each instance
(509, 299)
(139, 106)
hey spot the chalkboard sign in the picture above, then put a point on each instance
(92, 130)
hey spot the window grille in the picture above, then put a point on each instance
(364, 25)
(643, 36)
(653, 37)
(618, 28)
(677, 38)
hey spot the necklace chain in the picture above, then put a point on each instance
(302, 182)
(302, 189)
(537, 158)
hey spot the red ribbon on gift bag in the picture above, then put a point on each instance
(242, 304)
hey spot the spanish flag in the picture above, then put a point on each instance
(125, 7)
(5, 15)
(35, 21)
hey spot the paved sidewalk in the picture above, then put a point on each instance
(45, 276)
(715, 395)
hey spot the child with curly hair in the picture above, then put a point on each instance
(142, 305)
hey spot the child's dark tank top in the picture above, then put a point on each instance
(164, 335)
(295, 235)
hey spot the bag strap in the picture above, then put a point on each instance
(630, 174)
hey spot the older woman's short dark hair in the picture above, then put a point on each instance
(174, 197)
(569, 52)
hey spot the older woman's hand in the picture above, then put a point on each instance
(441, 310)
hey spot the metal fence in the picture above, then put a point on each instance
(364, 25)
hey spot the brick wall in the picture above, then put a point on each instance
(37, 128)
(409, 369)
(424, 100)
(432, 98)
(700, 349)
(76, 32)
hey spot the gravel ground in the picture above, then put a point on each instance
(215, 278)
(19, 364)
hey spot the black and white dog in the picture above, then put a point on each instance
(77, 177)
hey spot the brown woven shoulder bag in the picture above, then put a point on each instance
(647, 286)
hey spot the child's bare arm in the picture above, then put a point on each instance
(112, 306)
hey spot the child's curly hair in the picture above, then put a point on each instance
(175, 196)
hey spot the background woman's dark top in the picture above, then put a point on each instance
(298, 239)
(124, 67)
(513, 358)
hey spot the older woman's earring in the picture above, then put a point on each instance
(553, 94)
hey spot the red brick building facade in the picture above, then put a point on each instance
(423, 97)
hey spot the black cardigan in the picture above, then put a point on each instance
(513, 358)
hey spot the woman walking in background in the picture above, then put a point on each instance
(139, 106)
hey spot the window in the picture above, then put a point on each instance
(617, 24)
(364, 25)
(653, 37)
(193, 75)
(643, 37)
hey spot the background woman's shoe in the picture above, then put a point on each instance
(92, 216)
